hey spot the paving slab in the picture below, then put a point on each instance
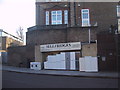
(62, 72)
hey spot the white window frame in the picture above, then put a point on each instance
(65, 16)
(85, 19)
(118, 10)
(47, 17)
(56, 21)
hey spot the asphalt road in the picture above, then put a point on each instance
(22, 80)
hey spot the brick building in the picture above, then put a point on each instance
(7, 40)
(64, 22)
(107, 51)
(77, 25)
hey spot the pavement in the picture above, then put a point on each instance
(113, 75)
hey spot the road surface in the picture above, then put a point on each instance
(23, 80)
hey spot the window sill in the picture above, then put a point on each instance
(80, 26)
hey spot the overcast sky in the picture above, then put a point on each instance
(15, 13)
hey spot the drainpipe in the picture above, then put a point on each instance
(89, 35)
(75, 12)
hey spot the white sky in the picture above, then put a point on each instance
(15, 13)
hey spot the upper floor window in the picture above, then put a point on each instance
(66, 17)
(85, 17)
(57, 17)
(47, 17)
(118, 10)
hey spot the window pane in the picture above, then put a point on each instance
(53, 17)
(53, 22)
(85, 11)
(85, 23)
(85, 15)
(59, 22)
(59, 12)
(59, 17)
(53, 12)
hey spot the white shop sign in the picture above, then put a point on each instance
(60, 47)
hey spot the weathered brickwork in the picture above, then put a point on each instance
(74, 34)
(107, 52)
(20, 56)
(38, 37)
(102, 15)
